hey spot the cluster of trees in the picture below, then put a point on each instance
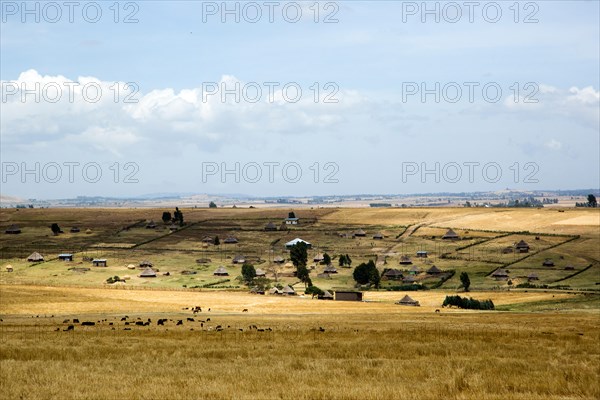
(367, 273)
(591, 202)
(212, 205)
(344, 260)
(176, 218)
(299, 257)
(468, 303)
(465, 281)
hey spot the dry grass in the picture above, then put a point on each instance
(373, 350)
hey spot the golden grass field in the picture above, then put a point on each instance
(537, 344)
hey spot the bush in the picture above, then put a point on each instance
(468, 303)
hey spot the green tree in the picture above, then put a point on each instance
(348, 260)
(592, 202)
(326, 259)
(166, 217)
(367, 273)
(217, 241)
(212, 205)
(178, 216)
(342, 260)
(291, 214)
(248, 273)
(304, 275)
(465, 281)
(55, 229)
(314, 291)
(299, 254)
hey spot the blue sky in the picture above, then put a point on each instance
(369, 140)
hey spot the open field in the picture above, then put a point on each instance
(569, 237)
(370, 350)
(540, 343)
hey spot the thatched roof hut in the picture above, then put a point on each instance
(131, 266)
(279, 260)
(208, 239)
(270, 227)
(221, 271)
(532, 277)
(507, 250)
(434, 270)
(522, 246)
(289, 265)
(230, 240)
(9, 268)
(569, 268)
(145, 264)
(275, 291)
(13, 230)
(548, 262)
(173, 227)
(151, 225)
(330, 269)
(238, 260)
(405, 260)
(260, 273)
(421, 254)
(450, 235)
(378, 236)
(326, 295)
(35, 257)
(148, 273)
(288, 291)
(393, 274)
(414, 270)
(88, 231)
(500, 274)
(318, 258)
(65, 257)
(360, 233)
(408, 301)
(409, 279)
(75, 230)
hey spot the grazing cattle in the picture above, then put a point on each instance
(70, 328)
(146, 323)
(110, 324)
(75, 320)
(126, 323)
(207, 319)
(139, 323)
(260, 330)
(240, 329)
(269, 329)
(66, 321)
(437, 310)
(252, 327)
(245, 310)
(190, 319)
(321, 329)
(126, 329)
(209, 310)
(88, 323)
(218, 327)
(180, 322)
(197, 309)
(124, 319)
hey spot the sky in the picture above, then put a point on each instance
(298, 98)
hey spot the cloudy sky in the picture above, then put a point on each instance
(298, 98)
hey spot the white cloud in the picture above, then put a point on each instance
(553, 144)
